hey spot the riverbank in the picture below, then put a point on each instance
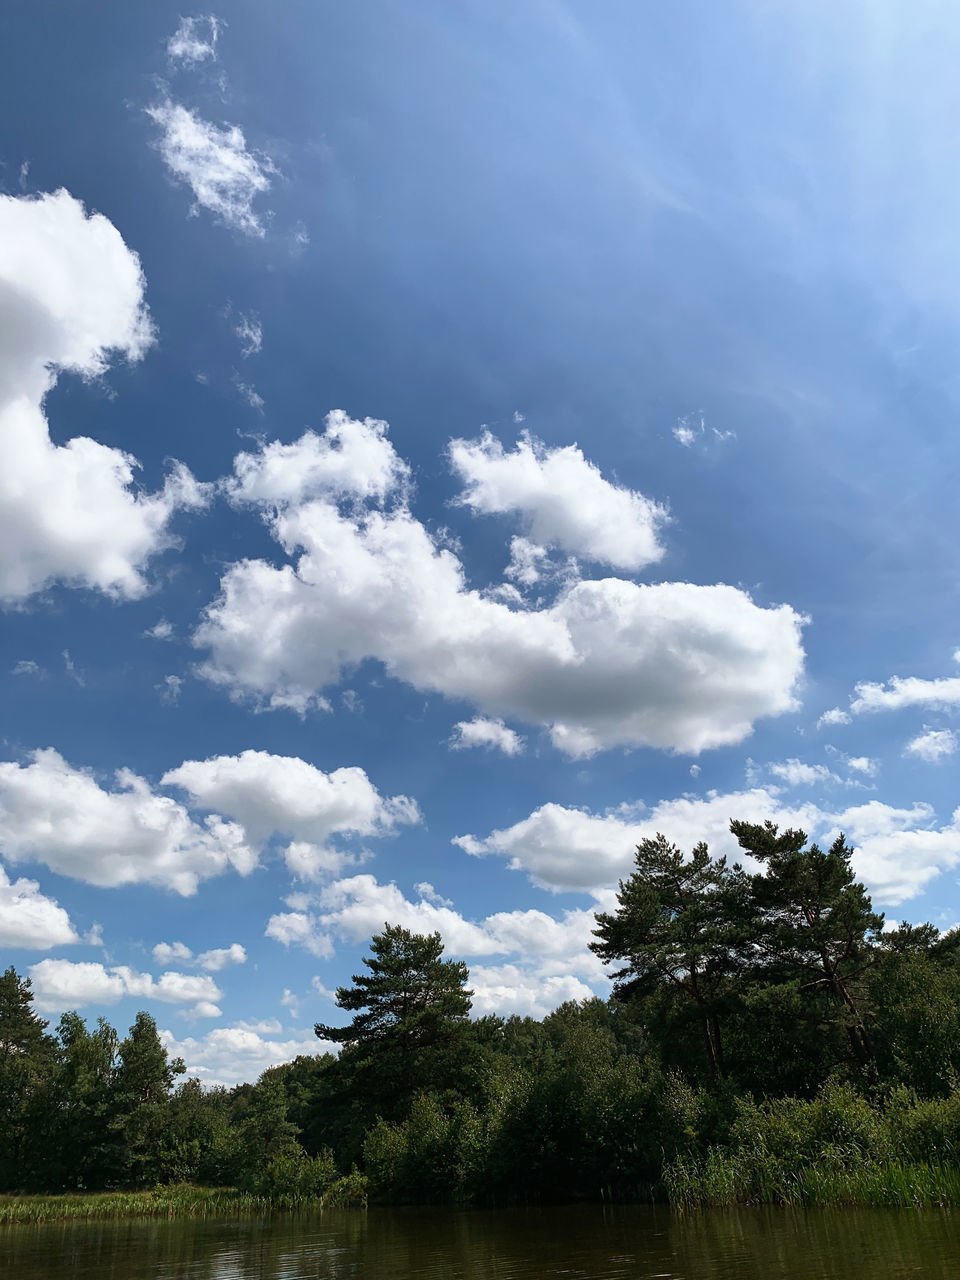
(723, 1179)
(179, 1201)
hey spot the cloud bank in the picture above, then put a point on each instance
(71, 298)
(607, 663)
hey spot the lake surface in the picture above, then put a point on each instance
(569, 1243)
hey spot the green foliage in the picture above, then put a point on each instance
(26, 1058)
(432, 1157)
(765, 1042)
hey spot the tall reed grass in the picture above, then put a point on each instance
(178, 1201)
(722, 1179)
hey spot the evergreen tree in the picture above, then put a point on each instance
(409, 1034)
(142, 1084)
(818, 927)
(679, 933)
(26, 1064)
(83, 1150)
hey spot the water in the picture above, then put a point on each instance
(580, 1243)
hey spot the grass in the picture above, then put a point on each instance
(723, 1179)
(179, 1201)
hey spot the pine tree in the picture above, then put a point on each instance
(817, 924)
(409, 1031)
(680, 931)
(26, 1063)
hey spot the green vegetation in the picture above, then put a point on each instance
(766, 1041)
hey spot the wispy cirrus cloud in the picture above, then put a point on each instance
(225, 176)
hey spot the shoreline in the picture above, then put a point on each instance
(178, 1201)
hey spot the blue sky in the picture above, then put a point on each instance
(440, 445)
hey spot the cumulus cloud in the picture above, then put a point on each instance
(231, 1055)
(167, 952)
(490, 734)
(65, 984)
(796, 773)
(911, 691)
(898, 851)
(162, 630)
(71, 296)
(351, 459)
(800, 773)
(933, 745)
(224, 176)
(834, 716)
(562, 499)
(195, 40)
(284, 795)
(60, 816)
(356, 907)
(213, 961)
(508, 988)
(220, 957)
(896, 694)
(548, 957)
(607, 663)
(29, 919)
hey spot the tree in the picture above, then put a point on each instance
(409, 1032)
(682, 925)
(817, 923)
(26, 1062)
(142, 1084)
(83, 1138)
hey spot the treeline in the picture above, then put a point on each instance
(766, 1039)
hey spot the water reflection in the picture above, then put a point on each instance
(581, 1242)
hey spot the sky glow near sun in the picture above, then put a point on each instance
(441, 447)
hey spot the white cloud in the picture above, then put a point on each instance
(608, 663)
(170, 688)
(562, 498)
(53, 813)
(290, 1001)
(250, 394)
(426, 890)
(29, 919)
(65, 984)
(689, 429)
(551, 963)
(357, 907)
(933, 745)
(506, 989)
(218, 958)
(529, 562)
(71, 295)
(299, 929)
(286, 796)
(795, 773)
(482, 732)
(223, 175)
(798, 773)
(27, 667)
(833, 716)
(232, 1055)
(166, 952)
(900, 692)
(861, 764)
(250, 332)
(898, 852)
(213, 961)
(195, 40)
(352, 459)
(162, 630)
